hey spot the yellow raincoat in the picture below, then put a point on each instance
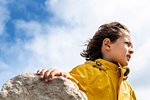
(102, 80)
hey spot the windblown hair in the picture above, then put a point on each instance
(111, 30)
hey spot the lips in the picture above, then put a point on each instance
(128, 57)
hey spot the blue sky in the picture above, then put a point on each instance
(37, 34)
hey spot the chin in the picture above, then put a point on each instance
(124, 63)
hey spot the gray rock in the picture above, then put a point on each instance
(27, 86)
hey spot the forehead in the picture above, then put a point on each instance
(126, 35)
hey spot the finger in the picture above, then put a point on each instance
(53, 73)
(39, 71)
(47, 74)
(63, 74)
(42, 73)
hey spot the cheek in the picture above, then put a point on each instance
(123, 50)
(126, 48)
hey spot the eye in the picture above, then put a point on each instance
(127, 43)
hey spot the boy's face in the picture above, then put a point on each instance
(121, 50)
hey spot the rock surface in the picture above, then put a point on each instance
(27, 86)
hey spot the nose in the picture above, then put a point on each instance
(131, 51)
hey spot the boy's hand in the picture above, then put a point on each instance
(48, 74)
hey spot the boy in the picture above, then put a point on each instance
(103, 76)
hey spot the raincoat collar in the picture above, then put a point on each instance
(106, 65)
(109, 65)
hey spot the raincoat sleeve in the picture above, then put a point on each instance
(80, 76)
(89, 78)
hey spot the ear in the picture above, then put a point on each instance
(106, 44)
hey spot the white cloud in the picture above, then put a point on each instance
(97, 12)
(3, 78)
(56, 47)
(142, 56)
(30, 28)
(142, 93)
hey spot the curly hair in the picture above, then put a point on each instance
(111, 30)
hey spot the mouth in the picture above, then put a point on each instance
(128, 57)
